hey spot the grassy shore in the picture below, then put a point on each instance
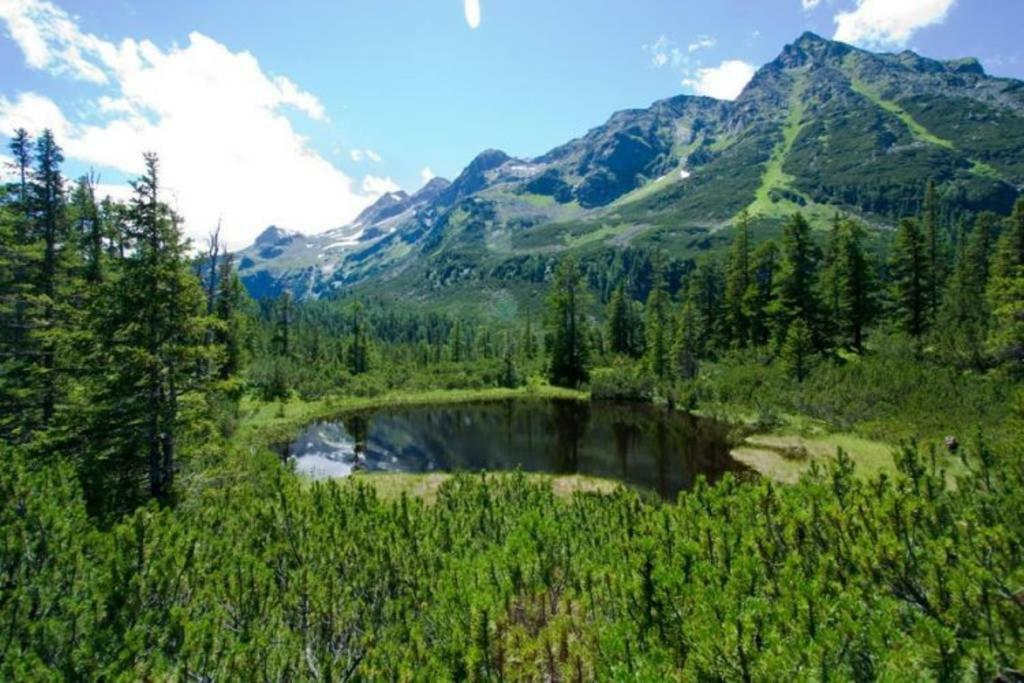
(783, 453)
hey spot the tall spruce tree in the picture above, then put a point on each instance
(910, 278)
(1006, 295)
(620, 330)
(567, 328)
(797, 279)
(964, 318)
(935, 250)
(854, 286)
(687, 348)
(358, 353)
(737, 283)
(758, 302)
(657, 326)
(152, 326)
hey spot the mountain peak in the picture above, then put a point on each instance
(810, 49)
(431, 190)
(272, 235)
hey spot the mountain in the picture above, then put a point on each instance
(825, 127)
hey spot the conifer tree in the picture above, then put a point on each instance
(797, 279)
(358, 353)
(657, 330)
(228, 312)
(151, 328)
(936, 266)
(910, 278)
(89, 227)
(758, 302)
(797, 351)
(529, 345)
(283, 328)
(706, 289)
(619, 324)
(687, 348)
(569, 338)
(1006, 294)
(455, 344)
(853, 285)
(737, 283)
(964, 317)
(21, 150)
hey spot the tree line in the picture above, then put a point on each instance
(111, 346)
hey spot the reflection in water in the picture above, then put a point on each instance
(651, 447)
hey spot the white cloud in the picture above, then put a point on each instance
(810, 4)
(472, 10)
(702, 43)
(877, 23)
(377, 186)
(724, 82)
(663, 53)
(427, 174)
(214, 116)
(361, 154)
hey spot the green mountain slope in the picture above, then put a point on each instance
(825, 127)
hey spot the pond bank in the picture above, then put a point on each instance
(783, 453)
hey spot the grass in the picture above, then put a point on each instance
(785, 457)
(919, 131)
(773, 177)
(392, 486)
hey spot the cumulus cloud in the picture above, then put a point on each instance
(362, 154)
(427, 174)
(702, 43)
(472, 11)
(879, 23)
(215, 117)
(724, 82)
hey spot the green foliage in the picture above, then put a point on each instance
(896, 577)
(624, 381)
(570, 348)
(797, 353)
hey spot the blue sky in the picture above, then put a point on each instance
(302, 113)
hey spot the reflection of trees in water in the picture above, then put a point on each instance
(621, 436)
(661, 456)
(571, 421)
(358, 427)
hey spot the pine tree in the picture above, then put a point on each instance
(853, 285)
(797, 351)
(797, 279)
(737, 283)
(152, 328)
(89, 227)
(529, 340)
(509, 374)
(21, 150)
(910, 277)
(657, 330)
(358, 353)
(570, 353)
(936, 266)
(830, 282)
(687, 349)
(283, 328)
(706, 290)
(1006, 294)
(965, 314)
(619, 324)
(455, 344)
(758, 301)
(228, 312)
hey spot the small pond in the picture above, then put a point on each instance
(642, 445)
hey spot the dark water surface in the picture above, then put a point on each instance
(641, 445)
